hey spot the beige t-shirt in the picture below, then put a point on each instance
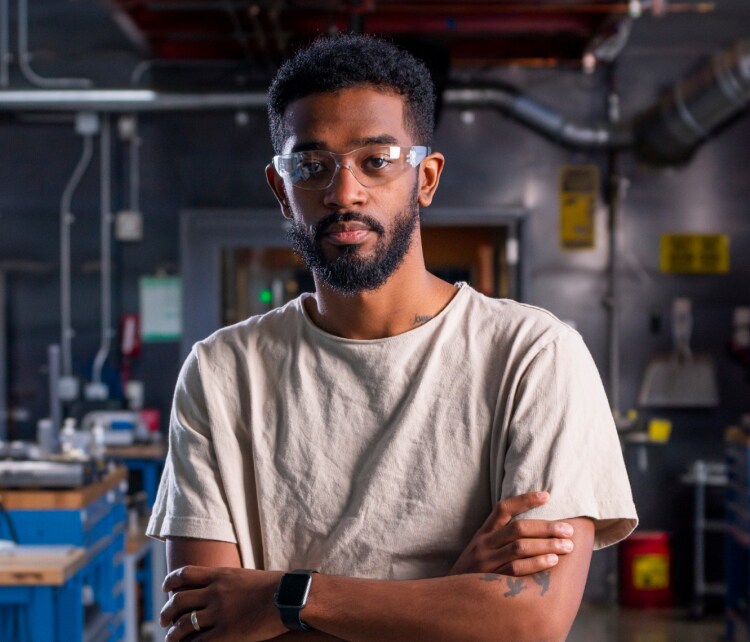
(382, 458)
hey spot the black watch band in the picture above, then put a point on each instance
(291, 598)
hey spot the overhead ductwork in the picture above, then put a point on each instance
(666, 134)
(695, 108)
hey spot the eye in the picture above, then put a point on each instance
(378, 162)
(311, 167)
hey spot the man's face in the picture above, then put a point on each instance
(352, 237)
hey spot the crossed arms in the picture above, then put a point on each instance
(488, 595)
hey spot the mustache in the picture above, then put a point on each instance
(321, 227)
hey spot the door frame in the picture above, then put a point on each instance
(206, 232)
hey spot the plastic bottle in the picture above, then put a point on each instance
(68, 436)
(98, 445)
(45, 437)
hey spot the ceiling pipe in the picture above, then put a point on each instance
(24, 56)
(126, 100)
(668, 133)
(541, 118)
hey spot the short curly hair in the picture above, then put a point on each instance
(341, 61)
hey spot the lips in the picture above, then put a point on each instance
(346, 226)
(347, 232)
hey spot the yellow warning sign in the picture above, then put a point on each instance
(650, 571)
(694, 253)
(579, 193)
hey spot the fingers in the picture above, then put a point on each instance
(528, 566)
(527, 556)
(506, 509)
(183, 628)
(181, 603)
(187, 577)
(529, 529)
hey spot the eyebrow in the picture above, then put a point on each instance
(382, 139)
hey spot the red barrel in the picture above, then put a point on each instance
(645, 565)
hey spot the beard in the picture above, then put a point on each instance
(351, 273)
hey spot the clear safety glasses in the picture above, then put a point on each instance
(372, 165)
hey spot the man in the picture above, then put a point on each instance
(366, 431)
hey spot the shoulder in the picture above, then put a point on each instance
(519, 325)
(229, 344)
(279, 321)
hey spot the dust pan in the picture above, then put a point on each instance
(680, 379)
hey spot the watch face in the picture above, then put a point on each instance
(293, 590)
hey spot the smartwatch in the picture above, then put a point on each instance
(291, 598)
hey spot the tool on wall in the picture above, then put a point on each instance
(681, 379)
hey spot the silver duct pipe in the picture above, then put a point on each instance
(695, 108)
(66, 221)
(126, 100)
(540, 118)
(4, 44)
(24, 56)
(106, 251)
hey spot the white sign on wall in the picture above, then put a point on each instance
(161, 308)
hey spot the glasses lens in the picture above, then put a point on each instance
(372, 165)
(313, 170)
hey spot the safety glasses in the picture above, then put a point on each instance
(372, 166)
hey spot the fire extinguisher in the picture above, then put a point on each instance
(130, 344)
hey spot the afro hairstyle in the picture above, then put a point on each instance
(332, 63)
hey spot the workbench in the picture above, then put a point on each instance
(84, 598)
(147, 460)
(146, 561)
(40, 593)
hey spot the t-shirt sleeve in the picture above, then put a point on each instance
(191, 501)
(562, 439)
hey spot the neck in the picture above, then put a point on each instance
(410, 298)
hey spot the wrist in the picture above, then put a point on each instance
(292, 597)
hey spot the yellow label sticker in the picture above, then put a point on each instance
(579, 193)
(650, 571)
(694, 253)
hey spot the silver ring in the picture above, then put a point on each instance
(194, 620)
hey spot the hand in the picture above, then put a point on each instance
(520, 547)
(231, 604)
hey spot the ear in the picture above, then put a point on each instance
(276, 183)
(429, 177)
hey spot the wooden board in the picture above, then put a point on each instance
(40, 565)
(69, 499)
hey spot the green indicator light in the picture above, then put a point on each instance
(265, 296)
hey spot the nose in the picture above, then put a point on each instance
(345, 190)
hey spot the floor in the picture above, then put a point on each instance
(605, 624)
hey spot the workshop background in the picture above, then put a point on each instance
(597, 166)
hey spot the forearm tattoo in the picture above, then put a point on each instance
(518, 584)
(542, 578)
